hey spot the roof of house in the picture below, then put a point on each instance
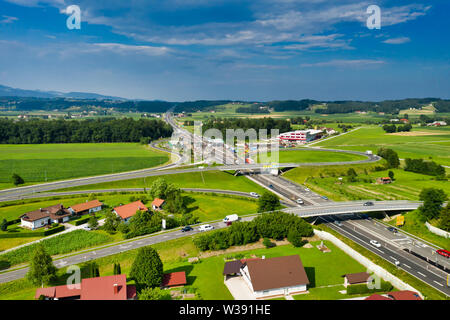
(354, 278)
(59, 292)
(404, 295)
(158, 202)
(102, 288)
(174, 279)
(50, 212)
(232, 267)
(130, 209)
(86, 206)
(377, 297)
(276, 272)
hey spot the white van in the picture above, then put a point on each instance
(231, 218)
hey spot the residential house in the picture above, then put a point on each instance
(100, 288)
(396, 295)
(271, 277)
(437, 123)
(45, 216)
(158, 204)
(86, 208)
(125, 212)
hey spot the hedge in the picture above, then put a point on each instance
(363, 288)
(82, 221)
(32, 234)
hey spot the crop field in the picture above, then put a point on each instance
(48, 162)
(205, 180)
(421, 142)
(407, 186)
(306, 156)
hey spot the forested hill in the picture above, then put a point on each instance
(63, 131)
(156, 106)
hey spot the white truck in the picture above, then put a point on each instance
(369, 152)
(231, 218)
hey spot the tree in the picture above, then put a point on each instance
(93, 222)
(444, 221)
(268, 202)
(93, 270)
(4, 225)
(117, 269)
(351, 175)
(390, 156)
(41, 271)
(112, 222)
(17, 180)
(154, 294)
(158, 189)
(147, 268)
(391, 175)
(432, 202)
(295, 237)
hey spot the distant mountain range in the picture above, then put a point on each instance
(14, 92)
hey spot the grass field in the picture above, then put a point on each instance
(206, 277)
(312, 156)
(205, 180)
(48, 162)
(407, 186)
(425, 142)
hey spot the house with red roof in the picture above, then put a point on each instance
(125, 212)
(86, 208)
(158, 204)
(396, 295)
(100, 288)
(45, 216)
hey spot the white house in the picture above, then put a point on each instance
(45, 216)
(271, 277)
(87, 207)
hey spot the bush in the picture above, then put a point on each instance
(268, 244)
(363, 288)
(154, 294)
(82, 220)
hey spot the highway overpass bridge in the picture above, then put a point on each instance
(337, 208)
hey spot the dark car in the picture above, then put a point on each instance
(186, 229)
(270, 186)
(324, 197)
(365, 216)
(392, 229)
(368, 203)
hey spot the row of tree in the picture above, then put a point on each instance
(275, 225)
(424, 167)
(392, 128)
(83, 131)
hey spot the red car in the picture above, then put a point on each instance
(444, 253)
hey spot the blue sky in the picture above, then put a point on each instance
(228, 49)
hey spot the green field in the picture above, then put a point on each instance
(206, 277)
(424, 142)
(206, 180)
(407, 185)
(48, 162)
(306, 156)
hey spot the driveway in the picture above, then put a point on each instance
(239, 289)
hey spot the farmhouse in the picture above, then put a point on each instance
(125, 212)
(437, 124)
(87, 207)
(101, 288)
(384, 180)
(158, 204)
(45, 216)
(356, 278)
(270, 277)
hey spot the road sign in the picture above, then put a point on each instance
(400, 220)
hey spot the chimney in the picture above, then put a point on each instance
(116, 288)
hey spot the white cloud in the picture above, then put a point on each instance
(345, 63)
(8, 19)
(125, 49)
(399, 40)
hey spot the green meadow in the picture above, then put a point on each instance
(309, 156)
(421, 142)
(49, 162)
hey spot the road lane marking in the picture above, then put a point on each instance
(421, 274)
(438, 283)
(407, 266)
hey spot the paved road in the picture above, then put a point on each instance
(360, 232)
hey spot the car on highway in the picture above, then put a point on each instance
(368, 204)
(324, 197)
(270, 186)
(444, 253)
(337, 222)
(300, 201)
(392, 229)
(396, 262)
(307, 189)
(254, 194)
(375, 243)
(186, 229)
(231, 218)
(205, 227)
